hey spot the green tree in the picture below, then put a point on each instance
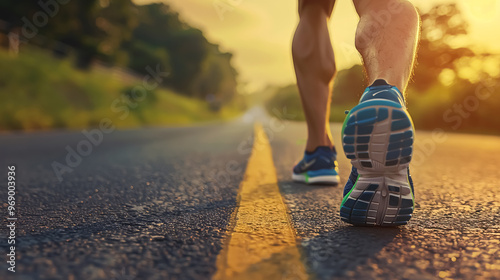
(93, 28)
(442, 27)
(197, 67)
(124, 34)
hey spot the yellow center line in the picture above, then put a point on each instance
(262, 244)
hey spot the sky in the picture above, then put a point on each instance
(259, 32)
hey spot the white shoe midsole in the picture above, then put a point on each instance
(318, 179)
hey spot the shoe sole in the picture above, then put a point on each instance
(377, 137)
(316, 180)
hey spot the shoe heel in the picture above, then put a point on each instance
(382, 201)
(378, 137)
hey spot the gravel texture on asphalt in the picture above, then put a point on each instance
(155, 203)
(455, 230)
(145, 204)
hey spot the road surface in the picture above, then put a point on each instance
(162, 203)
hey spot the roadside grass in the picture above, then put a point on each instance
(457, 108)
(42, 92)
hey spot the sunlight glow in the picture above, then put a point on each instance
(259, 32)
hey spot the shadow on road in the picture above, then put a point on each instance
(338, 252)
(291, 187)
(330, 247)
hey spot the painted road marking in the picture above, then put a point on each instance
(262, 243)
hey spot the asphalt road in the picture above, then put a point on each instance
(155, 203)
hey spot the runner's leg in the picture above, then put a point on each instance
(386, 38)
(315, 68)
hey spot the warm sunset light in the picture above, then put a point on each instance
(235, 139)
(259, 32)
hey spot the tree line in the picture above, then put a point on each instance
(121, 33)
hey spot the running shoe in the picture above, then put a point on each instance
(318, 167)
(377, 137)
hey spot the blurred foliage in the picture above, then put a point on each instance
(286, 97)
(118, 32)
(42, 92)
(346, 94)
(441, 27)
(445, 91)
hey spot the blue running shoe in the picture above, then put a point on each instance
(318, 167)
(377, 137)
